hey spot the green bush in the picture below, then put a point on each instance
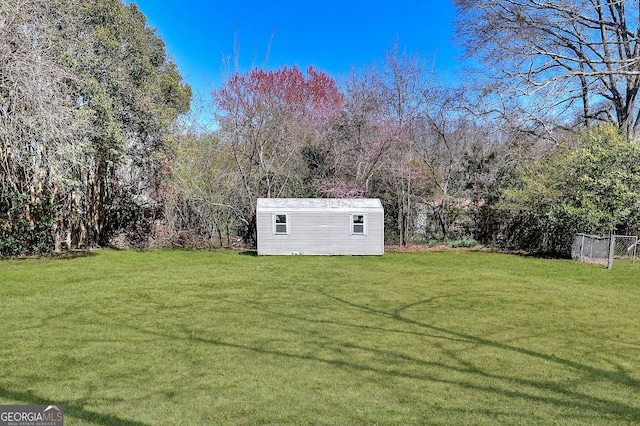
(22, 233)
(463, 243)
(592, 187)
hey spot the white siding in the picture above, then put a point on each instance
(320, 227)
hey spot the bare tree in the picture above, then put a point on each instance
(581, 57)
(406, 88)
(361, 146)
(266, 118)
(445, 140)
(39, 129)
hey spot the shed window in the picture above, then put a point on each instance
(281, 224)
(358, 224)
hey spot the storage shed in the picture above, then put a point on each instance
(320, 226)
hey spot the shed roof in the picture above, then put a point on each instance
(318, 203)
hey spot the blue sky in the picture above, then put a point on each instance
(333, 35)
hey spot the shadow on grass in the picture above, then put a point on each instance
(63, 255)
(580, 400)
(71, 410)
(73, 254)
(554, 393)
(435, 332)
(397, 315)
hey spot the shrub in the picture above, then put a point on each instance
(463, 243)
(25, 226)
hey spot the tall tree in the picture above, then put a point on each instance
(448, 138)
(406, 89)
(362, 143)
(132, 93)
(87, 96)
(385, 105)
(578, 58)
(267, 118)
(39, 126)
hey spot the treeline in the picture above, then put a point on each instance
(444, 171)
(97, 149)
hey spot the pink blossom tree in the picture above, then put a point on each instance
(267, 118)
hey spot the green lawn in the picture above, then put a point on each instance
(198, 338)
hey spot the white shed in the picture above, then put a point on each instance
(320, 226)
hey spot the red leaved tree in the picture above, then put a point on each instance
(276, 124)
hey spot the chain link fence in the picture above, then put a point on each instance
(621, 249)
(625, 249)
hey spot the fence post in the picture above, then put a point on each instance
(612, 243)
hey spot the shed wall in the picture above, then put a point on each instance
(320, 232)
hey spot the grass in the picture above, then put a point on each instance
(179, 337)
